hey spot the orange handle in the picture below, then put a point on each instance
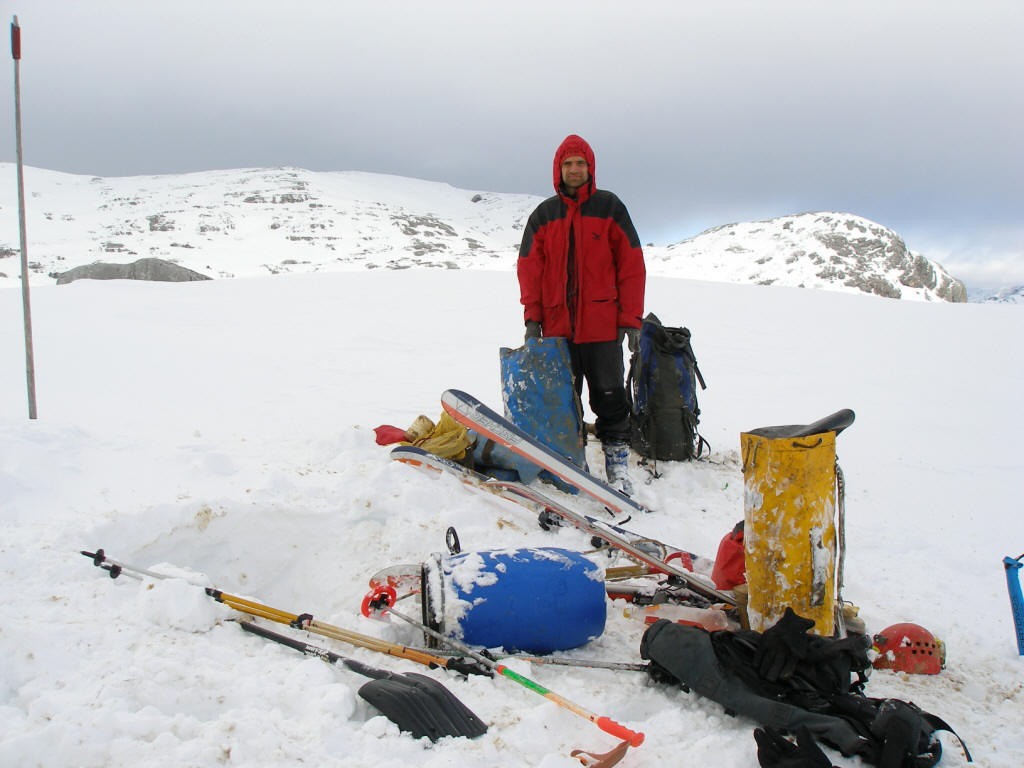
(606, 724)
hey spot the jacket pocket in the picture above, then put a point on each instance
(602, 315)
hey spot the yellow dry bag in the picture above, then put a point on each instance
(789, 534)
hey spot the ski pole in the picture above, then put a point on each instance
(30, 368)
(383, 598)
(564, 661)
(298, 621)
(1013, 567)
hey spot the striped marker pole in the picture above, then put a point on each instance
(383, 598)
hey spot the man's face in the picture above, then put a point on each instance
(574, 172)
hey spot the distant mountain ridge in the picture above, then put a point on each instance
(826, 250)
(263, 221)
(1011, 295)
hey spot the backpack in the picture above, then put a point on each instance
(822, 691)
(662, 387)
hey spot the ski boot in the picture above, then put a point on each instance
(616, 466)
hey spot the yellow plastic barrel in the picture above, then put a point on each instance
(789, 528)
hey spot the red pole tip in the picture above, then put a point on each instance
(15, 41)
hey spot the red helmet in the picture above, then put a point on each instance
(909, 648)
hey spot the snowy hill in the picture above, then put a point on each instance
(252, 222)
(816, 250)
(261, 221)
(1012, 295)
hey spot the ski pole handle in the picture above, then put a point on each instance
(381, 600)
(619, 731)
(606, 724)
(15, 40)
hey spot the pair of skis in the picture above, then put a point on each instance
(682, 568)
(473, 414)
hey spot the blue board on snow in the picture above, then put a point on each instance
(540, 398)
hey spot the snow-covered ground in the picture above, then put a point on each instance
(225, 427)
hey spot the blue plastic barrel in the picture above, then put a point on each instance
(533, 599)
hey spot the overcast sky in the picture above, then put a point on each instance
(907, 112)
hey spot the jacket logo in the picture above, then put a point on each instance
(596, 235)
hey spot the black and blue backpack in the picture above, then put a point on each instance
(662, 386)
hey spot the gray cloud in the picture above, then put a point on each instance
(907, 113)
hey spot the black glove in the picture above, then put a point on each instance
(532, 330)
(782, 647)
(775, 751)
(632, 335)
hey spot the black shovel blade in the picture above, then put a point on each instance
(415, 703)
(422, 706)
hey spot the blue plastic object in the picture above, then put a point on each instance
(540, 398)
(1013, 566)
(533, 599)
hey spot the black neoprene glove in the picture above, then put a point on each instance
(532, 330)
(632, 335)
(782, 647)
(776, 751)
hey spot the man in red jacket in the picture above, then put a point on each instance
(582, 276)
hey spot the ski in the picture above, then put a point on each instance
(473, 414)
(626, 541)
(655, 555)
(418, 457)
(537, 501)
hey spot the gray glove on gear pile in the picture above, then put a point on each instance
(632, 335)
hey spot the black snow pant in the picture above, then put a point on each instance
(600, 363)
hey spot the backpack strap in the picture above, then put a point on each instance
(939, 724)
(632, 382)
(900, 733)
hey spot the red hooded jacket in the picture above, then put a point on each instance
(600, 289)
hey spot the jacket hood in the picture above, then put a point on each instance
(573, 145)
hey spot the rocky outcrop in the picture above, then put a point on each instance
(159, 270)
(821, 250)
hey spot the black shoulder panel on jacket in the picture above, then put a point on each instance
(606, 205)
(550, 210)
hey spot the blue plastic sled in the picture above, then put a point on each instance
(540, 398)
